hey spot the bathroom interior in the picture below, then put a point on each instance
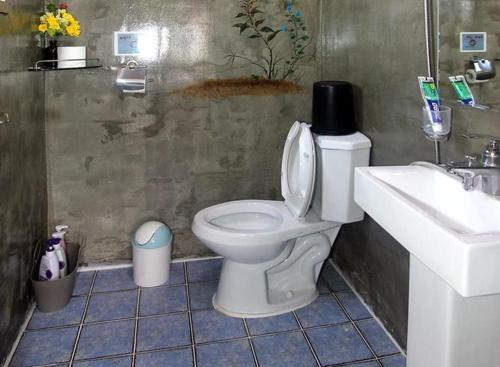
(200, 127)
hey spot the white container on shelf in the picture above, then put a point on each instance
(72, 53)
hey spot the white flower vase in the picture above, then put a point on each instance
(72, 53)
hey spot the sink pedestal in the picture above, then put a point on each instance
(446, 329)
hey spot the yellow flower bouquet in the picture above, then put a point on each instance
(58, 21)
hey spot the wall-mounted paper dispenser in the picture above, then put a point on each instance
(131, 78)
(480, 70)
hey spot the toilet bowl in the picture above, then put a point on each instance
(274, 250)
(252, 231)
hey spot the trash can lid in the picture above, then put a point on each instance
(152, 235)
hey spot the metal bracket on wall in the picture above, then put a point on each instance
(4, 118)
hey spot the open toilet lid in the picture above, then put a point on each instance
(298, 169)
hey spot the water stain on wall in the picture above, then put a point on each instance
(88, 161)
(239, 86)
(113, 130)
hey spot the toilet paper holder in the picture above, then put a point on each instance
(131, 77)
(480, 70)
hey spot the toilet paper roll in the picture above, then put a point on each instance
(132, 80)
(72, 53)
(471, 77)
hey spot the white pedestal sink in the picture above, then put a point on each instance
(453, 237)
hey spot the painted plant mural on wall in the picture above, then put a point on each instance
(277, 70)
(273, 65)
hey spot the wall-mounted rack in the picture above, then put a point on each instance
(48, 65)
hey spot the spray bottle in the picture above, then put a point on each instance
(60, 232)
(61, 256)
(49, 265)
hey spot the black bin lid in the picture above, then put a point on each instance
(333, 108)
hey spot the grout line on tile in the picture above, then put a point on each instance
(355, 363)
(344, 310)
(20, 334)
(340, 272)
(92, 359)
(252, 347)
(190, 315)
(181, 313)
(306, 337)
(80, 327)
(100, 267)
(136, 325)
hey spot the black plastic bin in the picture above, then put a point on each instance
(333, 108)
(55, 295)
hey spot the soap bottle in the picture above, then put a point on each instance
(60, 233)
(49, 265)
(61, 256)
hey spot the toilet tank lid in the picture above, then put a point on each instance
(343, 142)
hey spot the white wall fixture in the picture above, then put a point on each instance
(453, 237)
(76, 53)
(473, 42)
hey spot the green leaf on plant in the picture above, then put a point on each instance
(240, 15)
(266, 29)
(304, 38)
(254, 36)
(259, 22)
(272, 35)
(256, 11)
(239, 25)
(243, 27)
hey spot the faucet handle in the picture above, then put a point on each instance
(471, 159)
(491, 154)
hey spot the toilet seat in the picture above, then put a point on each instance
(298, 169)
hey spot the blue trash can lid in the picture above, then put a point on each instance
(152, 235)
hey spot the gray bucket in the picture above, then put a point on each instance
(55, 295)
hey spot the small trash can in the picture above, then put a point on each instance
(151, 254)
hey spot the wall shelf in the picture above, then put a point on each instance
(46, 65)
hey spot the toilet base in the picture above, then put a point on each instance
(278, 286)
(283, 309)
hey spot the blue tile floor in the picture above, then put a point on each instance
(111, 322)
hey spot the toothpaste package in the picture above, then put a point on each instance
(464, 94)
(431, 99)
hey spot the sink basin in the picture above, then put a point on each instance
(455, 233)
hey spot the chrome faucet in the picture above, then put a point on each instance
(490, 178)
(487, 168)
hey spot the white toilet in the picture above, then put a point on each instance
(274, 250)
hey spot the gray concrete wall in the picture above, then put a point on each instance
(380, 48)
(22, 166)
(470, 16)
(116, 161)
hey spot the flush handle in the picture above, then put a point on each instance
(4, 118)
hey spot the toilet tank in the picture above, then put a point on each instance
(337, 156)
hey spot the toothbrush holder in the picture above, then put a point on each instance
(437, 124)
